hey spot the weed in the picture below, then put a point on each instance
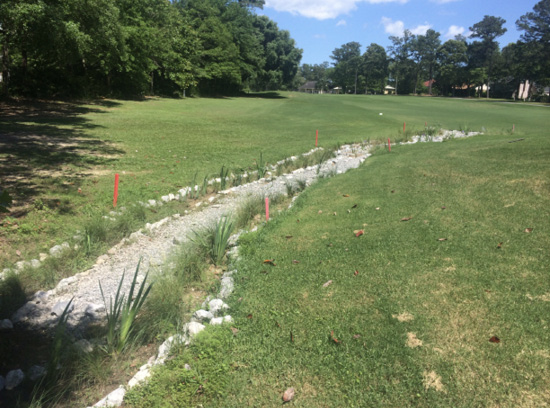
(261, 167)
(121, 315)
(215, 239)
(289, 189)
(223, 177)
(302, 184)
(247, 211)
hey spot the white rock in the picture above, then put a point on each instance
(194, 328)
(165, 198)
(216, 321)
(64, 283)
(140, 377)
(58, 249)
(35, 263)
(19, 266)
(114, 399)
(221, 320)
(227, 287)
(6, 324)
(36, 371)
(60, 307)
(94, 310)
(216, 306)
(152, 203)
(84, 346)
(202, 315)
(13, 379)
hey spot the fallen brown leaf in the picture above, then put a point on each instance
(356, 336)
(288, 237)
(494, 339)
(294, 261)
(406, 219)
(320, 212)
(358, 233)
(234, 330)
(528, 230)
(334, 339)
(442, 239)
(288, 394)
(346, 195)
(356, 272)
(326, 284)
(249, 316)
(270, 262)
(18, 252)
(500, 245)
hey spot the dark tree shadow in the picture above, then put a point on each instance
(39, 139)
(264, 95)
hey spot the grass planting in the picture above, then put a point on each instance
(419, 279)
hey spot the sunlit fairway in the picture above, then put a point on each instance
(443, 301)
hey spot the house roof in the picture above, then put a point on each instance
(309, 85)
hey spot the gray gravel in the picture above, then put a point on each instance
(155, 243)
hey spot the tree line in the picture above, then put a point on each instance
(422, 63)
(136, 47)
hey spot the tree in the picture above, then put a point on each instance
(375, 67)
(282, 57)
(488, 30)
(347, 62)
(536, 37)
(452, 57)
(427, 46)
(401, 65)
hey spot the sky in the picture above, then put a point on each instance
(320, 26)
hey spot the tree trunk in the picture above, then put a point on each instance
(5, 67)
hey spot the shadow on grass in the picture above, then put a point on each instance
(264, 95)
(39, 140)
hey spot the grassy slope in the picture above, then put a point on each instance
(460, 292)
(159, 145)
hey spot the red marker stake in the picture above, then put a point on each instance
(389, 144)
(115, 197)
(316, 137)
(267, 209)
(404, 125)
(513, 128)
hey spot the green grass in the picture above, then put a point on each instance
(159, 145)
(463, 266)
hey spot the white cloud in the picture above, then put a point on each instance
(421, 29)
(397, 28)
(341, 23)
(454, 30)
(322, 9)
(391, 27)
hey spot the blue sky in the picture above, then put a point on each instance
(320, 26)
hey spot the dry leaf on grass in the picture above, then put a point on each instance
(288, 394)
(294, 261)
(494, 339)
(528, 230)
(334, 339)
(234, 330)
(406, 219)
(356, 272)
(270, 262)
(358, 233)
(327, 283)
(442, 239)
(345, 195)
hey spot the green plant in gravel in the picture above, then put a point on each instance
(224, 172)
(122, 312)
(261, 166)
(215, 239)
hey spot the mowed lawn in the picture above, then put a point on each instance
(58, 160)
(420, 279)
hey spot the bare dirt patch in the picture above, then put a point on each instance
(432, 380)
(413, 341)
(404, 317)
